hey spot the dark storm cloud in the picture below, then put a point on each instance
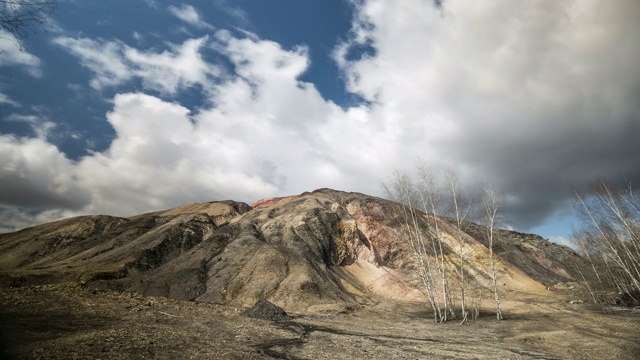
(533, 99)
(34, 174)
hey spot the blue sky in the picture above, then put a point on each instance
(123, 107)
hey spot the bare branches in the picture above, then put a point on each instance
(430, 201)
(492, 206)
(23, 18)
(415, 229)
(460, 207)
(440, 245)
(610, 235)
(436, 220)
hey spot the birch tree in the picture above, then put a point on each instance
(609, 235)
(420, 206)
(460, 208)
(492, 206)
(415, 230)
(430, 200)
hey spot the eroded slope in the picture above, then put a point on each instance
(321, 251)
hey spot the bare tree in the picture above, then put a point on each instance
(418, 207)
(610, 234)
(492, 206)
(430, 198)
(23, 18)
(414, 229)
(476, 301)
(460, 208)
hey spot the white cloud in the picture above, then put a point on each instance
(5, 99)
(236, 13)
(41, 127)
(152, 4)
(560, 240)
(114, 63)
(35, 174)
(174, 70)
(159, 160)
(103, 58)
(515, 96)
(256, 60)
(13, 54)
(190, 15)
(267, 134)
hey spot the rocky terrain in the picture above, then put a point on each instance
(175, 283)
(68, 321)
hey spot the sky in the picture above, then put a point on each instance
(122, 107)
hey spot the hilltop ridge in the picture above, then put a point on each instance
(318, 251)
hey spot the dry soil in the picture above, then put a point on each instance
(68, 321)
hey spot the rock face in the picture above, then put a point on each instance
(319, 251)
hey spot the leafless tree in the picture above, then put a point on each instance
(476, 301)
(421, 207)
(460, 209)
(430, 199)
(23, 18)
(492, 206)
(414, 229)
(610, 234)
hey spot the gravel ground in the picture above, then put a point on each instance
(67, 321)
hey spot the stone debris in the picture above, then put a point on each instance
(266, 310)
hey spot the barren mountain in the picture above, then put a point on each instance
(318, 251)
(331, 271)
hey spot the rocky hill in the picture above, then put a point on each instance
(321, 251)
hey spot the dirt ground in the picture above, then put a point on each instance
(67, 321)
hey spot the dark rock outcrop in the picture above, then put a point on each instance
(266, 310)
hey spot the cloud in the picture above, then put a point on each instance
(114, 63)
(12, 218)
(531, 98)
(560, 240)
(158, 160)
(35, 174)
(41, 127)
(152, 4)
(173, 70)
(12, 54)
(4, 99)
(265, 133)
(190, 15)
(234, 12)
(528, 98)
(103, 58)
